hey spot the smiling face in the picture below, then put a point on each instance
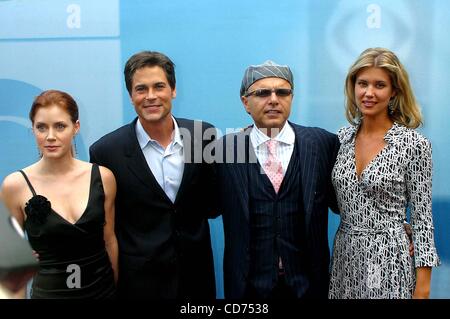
(373, 90)
(271, 111)
(54, 131)
(152, 95)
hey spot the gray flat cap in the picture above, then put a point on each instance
(268, 69)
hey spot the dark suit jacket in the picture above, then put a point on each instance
(317, 150)
(164, 247)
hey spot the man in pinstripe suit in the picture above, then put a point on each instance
(275, 220)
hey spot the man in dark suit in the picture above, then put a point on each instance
(163, 190)
(276, 220)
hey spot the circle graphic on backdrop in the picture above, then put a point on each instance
(17, 143)
(352, 29)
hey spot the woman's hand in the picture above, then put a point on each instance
(423, 281)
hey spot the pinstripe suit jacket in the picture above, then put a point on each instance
(317, 150)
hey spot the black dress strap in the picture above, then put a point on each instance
(28, 182)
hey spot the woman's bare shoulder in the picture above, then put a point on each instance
(13, 183)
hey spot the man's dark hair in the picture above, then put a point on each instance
(149, 59)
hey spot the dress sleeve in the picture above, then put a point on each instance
(418, 186)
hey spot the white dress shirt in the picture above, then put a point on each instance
(286, 139)
(167, 165)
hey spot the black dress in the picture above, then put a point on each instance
(73, 260)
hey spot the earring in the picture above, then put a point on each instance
(391, 107)
(39, 153)
(74, 148)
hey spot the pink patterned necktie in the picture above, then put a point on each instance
(272, 166)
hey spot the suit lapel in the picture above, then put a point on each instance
(307, 152)
(241, 166)
(191, 142)
(138, 165)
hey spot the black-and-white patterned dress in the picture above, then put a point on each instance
(371, 255)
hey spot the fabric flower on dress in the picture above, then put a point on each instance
(38, 208)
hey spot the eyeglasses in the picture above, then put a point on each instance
(281, 92)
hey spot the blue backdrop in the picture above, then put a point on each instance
(80, 46)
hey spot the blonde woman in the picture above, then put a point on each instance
(383, 167)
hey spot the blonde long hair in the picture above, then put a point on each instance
(405, 109)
